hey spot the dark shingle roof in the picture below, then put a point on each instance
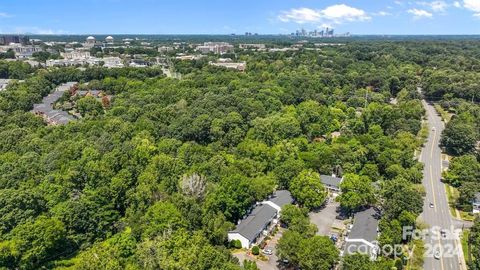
(331, 180)
(281, 198)
(365, 225)
(364, 228)
(255, 222)
(46, 107)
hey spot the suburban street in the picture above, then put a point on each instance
(449, 247)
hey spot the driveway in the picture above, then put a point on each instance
(272, 263)
(325, 218)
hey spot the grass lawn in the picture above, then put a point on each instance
(452, 195)
(466, 216)
(446, 116)
(464, 241)
(416, 260)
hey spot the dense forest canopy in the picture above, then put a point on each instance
(112, 190)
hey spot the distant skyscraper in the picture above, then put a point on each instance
(7, 39)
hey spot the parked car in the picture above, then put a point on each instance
(334, 238)
(437, 255)
(267, 252)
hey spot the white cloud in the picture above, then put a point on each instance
(436, 6)
(420, 13)
(335, 14)
(473, 5)
(457, 4)
(5, 15)
(38, 31)
(300, 15)
(340, 13)
(382, 13)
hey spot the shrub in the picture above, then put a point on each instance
(255, 250)
(238, 244)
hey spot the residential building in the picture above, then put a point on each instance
(215, 47)
(184, 57)
(331, 183)
(75, 55)
(260, 222)
(165, 49)
(65, 62)
(476, 203)
(363, 236)
(335, 134)
(252, 46)
(21, 51)
(4, 83)
(112, 62)
(46, 110)
(240, 66)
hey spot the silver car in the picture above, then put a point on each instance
(267, 252)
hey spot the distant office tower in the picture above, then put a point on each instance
(7, 39)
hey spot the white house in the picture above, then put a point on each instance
(331, 183)
(476, 203)
(362, 237)
(261, 220)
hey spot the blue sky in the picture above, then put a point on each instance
(229, 16)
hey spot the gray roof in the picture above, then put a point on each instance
(46, 107)
(365, 225)
(476, 198)
(85, 92)
(255, 222)
(281, 198)
(331, 180)
(364, 228)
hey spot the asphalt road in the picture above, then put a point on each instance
(449, 247)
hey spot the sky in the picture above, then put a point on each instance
(362, 17)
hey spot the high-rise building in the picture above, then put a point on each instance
(7, 39)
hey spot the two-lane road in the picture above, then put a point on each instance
(437, 216)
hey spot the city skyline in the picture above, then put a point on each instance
(217, 17)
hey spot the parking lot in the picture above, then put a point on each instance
(327, 223)
(325, 218)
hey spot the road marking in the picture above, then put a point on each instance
(433, 190)
(433, 143)
(441, 254)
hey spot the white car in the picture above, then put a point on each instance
(267, 252)
(431, 205)
(433, 128)
(437, 255)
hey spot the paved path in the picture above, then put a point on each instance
(272, 262)
(438, 216)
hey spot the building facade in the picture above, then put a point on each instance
(261, 220)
